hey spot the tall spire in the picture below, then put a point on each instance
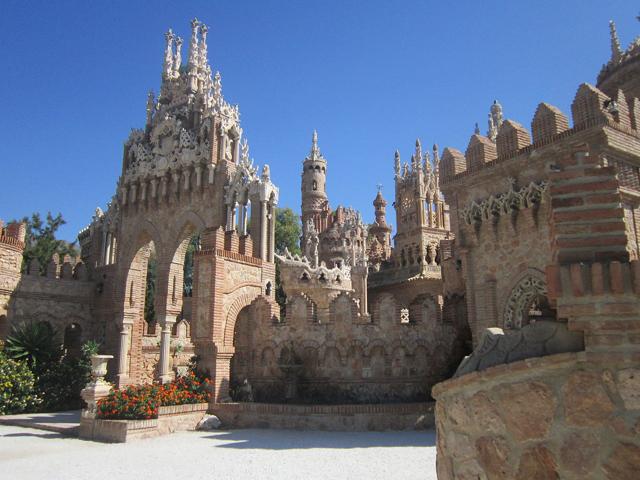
(616, 50)
(203, 45)
(417, 156)
(150, 107)
(177, 59)
(193, 44)
(315, 150)
(168, 55)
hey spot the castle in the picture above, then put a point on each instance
(512, 247)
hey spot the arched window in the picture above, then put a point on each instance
(267, 290)
(314, 186)
(72, 339)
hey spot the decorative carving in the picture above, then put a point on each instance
(505, 203)
(520, 300)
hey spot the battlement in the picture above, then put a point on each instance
(13, 234)
(67, 268)
(590, 108)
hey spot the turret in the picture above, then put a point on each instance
(315, 203)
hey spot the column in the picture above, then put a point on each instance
(123, 357)
(272, 232)
(264, 229)
(165, 346)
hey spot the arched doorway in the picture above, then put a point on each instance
(242, 361)
(72, 341)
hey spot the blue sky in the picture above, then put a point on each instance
(370, 76)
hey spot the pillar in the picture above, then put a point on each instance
(222, 375)
(123, 356)
(264, 230)
(164, 371)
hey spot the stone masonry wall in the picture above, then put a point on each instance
(559, 416)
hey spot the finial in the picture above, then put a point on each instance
(379, 185)
(217, 87)
(495, 120)
(477, 129)
(616, 50)
(244, 147)
(203, 45)
(193, 44)
(315, 151)
(436, 157)
(150, 106)
(168, 54)
(266, 173)
(415, 159)
(396, 167)
(177, 59)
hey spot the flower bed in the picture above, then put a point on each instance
(143, 401)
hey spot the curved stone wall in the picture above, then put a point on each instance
(560, 416)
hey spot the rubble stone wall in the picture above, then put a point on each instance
(559, 416)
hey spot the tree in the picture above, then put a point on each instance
(41, 242)
(287, 231)
(287, 236)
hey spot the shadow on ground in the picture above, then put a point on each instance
(296, 439)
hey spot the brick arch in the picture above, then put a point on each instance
(245, 300)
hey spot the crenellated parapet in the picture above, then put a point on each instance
(13, 235)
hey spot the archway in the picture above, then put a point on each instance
(527, 301)
(135, 294)
(72, 341)
(242, 361)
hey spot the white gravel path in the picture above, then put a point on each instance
(239, 454)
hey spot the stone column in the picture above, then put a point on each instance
(165, 345)
(272, 233)
(123, 356)
(264, 229)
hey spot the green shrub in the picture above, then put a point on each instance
(17, 387)
(33, 342)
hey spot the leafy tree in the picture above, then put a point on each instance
(41, 242)
(287, 236)
(287, 231)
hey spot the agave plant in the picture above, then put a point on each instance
(33, 342)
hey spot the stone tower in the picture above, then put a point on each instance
(420, 209)
(380, 232)
(315, 203)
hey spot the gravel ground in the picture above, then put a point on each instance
(238, 454)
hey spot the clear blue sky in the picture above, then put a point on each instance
(370, 76)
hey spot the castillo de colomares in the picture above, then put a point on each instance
(320, 240)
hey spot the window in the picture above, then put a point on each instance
(315, 185)
(404, 315)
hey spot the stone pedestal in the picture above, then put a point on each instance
(94, 391)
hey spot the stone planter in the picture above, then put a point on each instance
(99, 366)
(171, 418)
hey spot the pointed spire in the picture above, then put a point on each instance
(418, 153)
(476, 130)
(203, 45)
(168, 54)
(397, 164)
(436, 157)
(427, 163)
(315, 150)
(193, 44)
(177, 59)
(244, 151)
(150, 107)
(616, 50)
(217, 87)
